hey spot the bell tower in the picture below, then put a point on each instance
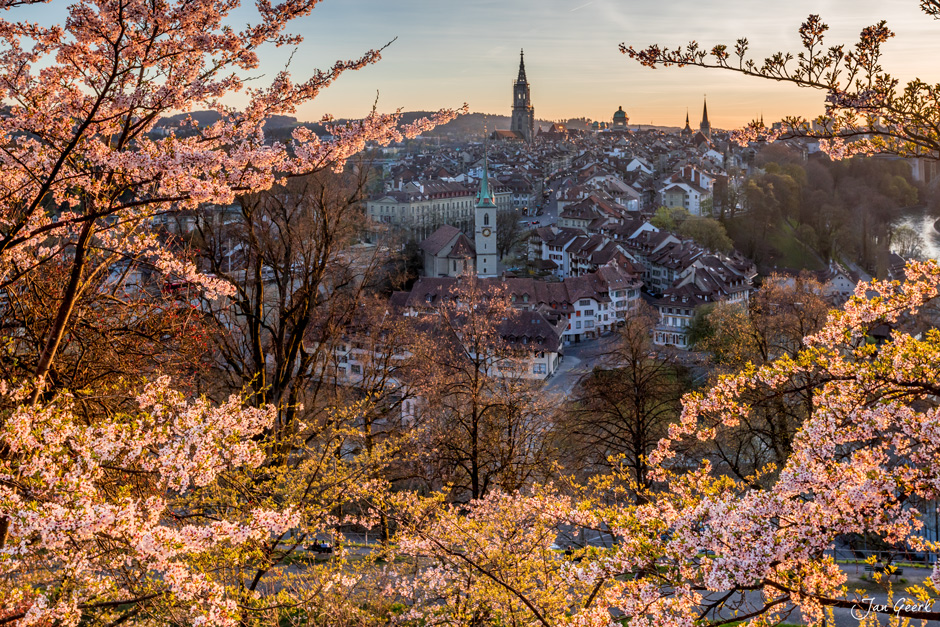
(523, 113)
(485, 217)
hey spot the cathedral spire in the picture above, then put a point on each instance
(521, 78)
(705, 127)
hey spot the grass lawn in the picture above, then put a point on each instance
(784, 250)
(790, 252)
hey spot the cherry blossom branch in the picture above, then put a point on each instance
(862, 101)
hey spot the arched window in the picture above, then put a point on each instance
(486, 219)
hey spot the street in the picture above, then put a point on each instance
(579, 359)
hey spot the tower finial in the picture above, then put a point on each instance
(521, 78)
(486, 145)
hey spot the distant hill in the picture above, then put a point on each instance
(471, 124)
(205, 118)
(466, 126)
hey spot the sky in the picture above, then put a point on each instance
(449, 52)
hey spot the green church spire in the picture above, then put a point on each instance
(485, 197)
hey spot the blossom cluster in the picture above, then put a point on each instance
(68, 487)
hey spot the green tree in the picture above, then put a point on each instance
(509, 234)
(724, 330)
(669, 218)
(624, 406)
(707, 232)
(907, 242)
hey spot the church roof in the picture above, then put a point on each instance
(505, 134)
(440, 238)
(521, 78)
(700, 138)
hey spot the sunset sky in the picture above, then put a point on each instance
(451, 51)
(448, 52)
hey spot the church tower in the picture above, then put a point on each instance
(687, 131)
(705, 127)
(523, 113)
(485, 236)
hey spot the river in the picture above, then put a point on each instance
(923, 221)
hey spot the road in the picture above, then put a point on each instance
(549, 211)
(579, 359)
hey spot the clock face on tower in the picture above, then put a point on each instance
(486, 232)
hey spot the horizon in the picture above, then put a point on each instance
(445, 53)
(575, 69)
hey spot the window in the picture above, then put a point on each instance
(585, 302)
(589, 312)
(538, 368)
(486, 219)
(356, 369)
(577, 325)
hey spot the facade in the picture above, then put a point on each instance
(708, 279)
(422, 208)
(523, 113)
(448, 252)
(689, 188)
(587, 306)
(686, 195)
